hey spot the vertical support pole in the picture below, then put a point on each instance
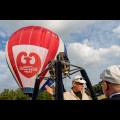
(64, 88)
(89, 85)
(36, 88)
(58, 81)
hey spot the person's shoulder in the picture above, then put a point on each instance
(86, 96)
(68, 93)
(115, 97)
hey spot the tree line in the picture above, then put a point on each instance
(17, 94)
(97, 88)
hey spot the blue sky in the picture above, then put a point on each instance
(92, 44)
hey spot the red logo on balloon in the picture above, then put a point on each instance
(28, 64)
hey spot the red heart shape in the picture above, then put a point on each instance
(28, 64)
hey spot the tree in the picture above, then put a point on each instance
(20, 95)
(13, 95)
(7, 95)
(44, 96)
(97, 88)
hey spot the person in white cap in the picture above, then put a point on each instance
(77, 91)
(111, 82)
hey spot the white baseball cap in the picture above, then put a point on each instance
(111, 74)
(79, 79)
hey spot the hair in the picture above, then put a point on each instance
(115, 87)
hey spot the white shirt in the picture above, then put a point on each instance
(71, 96)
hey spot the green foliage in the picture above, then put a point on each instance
(19, 95)
(97, 88)
(13, 95)
(44, 96)
(7, 95)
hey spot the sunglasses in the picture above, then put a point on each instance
(80, 79)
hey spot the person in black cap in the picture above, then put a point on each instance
(111, 82)
(77, 91)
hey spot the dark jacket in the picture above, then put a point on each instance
(114, 97)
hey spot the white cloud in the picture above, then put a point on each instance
(60, 27)
(6, 79)
(94, 60)
(114, 50)
(117, 31)
(2, 34)
(82, 54)
(2, 53)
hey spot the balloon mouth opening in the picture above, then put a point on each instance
(28, 90)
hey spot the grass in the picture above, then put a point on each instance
(101, 97)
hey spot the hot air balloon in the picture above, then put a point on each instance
(28, 52)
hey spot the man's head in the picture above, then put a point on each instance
(78, 83)
(111, 80)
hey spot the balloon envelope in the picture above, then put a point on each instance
(28, 52)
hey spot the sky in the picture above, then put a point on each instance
(91, 44)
